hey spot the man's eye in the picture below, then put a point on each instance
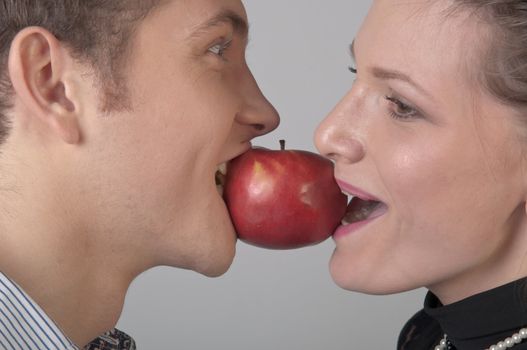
(220, 48)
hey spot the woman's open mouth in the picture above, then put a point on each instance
(361, 210)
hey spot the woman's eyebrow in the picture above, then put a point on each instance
(391, 74)
(239, 24)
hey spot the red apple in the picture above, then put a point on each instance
(283, 199)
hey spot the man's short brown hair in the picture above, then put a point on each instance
(97, 32)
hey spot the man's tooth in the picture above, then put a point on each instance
(220, 175)
(219, 178)
(222, 168)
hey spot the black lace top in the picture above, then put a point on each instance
(474, 323)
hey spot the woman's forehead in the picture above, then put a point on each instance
(421, 37)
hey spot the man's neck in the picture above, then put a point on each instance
(56, 246)
(83, 297)
(77, 278)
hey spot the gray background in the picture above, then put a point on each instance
(276, 299)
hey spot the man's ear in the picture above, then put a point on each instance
(40, 68)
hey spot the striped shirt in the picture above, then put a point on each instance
(25, 326)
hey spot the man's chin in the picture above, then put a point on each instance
(217, 265)
(214, 253)
(222, 250)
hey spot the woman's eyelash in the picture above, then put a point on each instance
(220, 48)
(402, 110)
(352, 69)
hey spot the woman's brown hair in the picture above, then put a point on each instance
(504, 65)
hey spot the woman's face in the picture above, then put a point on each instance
(416, 133)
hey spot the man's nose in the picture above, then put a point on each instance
(337, 137)
(257, 112)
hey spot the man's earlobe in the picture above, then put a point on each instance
(40, 68)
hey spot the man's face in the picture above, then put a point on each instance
(194, 105)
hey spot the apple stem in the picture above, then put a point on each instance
(282, 145)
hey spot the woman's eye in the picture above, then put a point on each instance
(401, 110)
(220, 48)
(352, 69)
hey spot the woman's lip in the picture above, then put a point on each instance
(355, 191)
(345, 230)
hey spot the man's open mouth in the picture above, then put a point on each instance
(220, 176)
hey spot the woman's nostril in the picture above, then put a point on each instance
(332, 156)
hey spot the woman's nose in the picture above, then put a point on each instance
(257, 113)
(337, 137)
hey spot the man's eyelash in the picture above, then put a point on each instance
(220, 48)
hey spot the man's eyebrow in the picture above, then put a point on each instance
(239, 24)
(352, 50)
(389, 74)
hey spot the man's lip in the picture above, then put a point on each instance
(245, 147)
(222, 168)
(356, 192)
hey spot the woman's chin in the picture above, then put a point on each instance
(365, 280)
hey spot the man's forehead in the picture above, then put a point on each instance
(197, 17)
(222, 16)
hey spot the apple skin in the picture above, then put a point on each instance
(283, 199)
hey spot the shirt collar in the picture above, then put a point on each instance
(482, 318)
(24, 325)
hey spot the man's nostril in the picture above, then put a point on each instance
(259, 127)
